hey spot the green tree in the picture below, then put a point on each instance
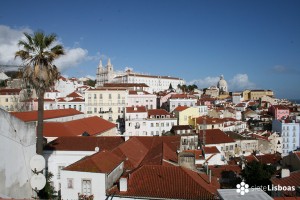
(38, 53)
(48, 192)
(258, 174)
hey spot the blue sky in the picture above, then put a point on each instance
(254, 44)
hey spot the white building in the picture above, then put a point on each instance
(67, 85)
(141, 98)
(140, 122)
(90, 176)
(156, 83)
(17, 147)
(108, 103)
(181, 100)
(66, 150)
(290, 133)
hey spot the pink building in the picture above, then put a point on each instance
(279, 111)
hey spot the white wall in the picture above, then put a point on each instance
(17, 147)
(97, 181)
(54, 159)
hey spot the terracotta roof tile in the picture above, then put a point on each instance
(9, 91)
(136, 109)
(269, 158)
(101, 162)
(211, 150)
(91, 125)
(292, 180)
(219, 169)
(154, 112)
(162, 182)
(215, 136)
(48, 114)
(77, 100)
(74, 94)
(181, 108)
(125, 85)
(75, 143)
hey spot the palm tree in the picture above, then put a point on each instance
(38, 53)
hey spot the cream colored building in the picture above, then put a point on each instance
(107, 103)
(9, 99)
(256, 94)
(185, 114)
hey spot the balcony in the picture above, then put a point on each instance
(102, 112)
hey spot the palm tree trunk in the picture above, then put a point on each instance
(40, 126)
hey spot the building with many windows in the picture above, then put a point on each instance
(289, 132)
(107, 103)
(107, 74)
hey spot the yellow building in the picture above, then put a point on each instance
(107, 103)
(9, 99)
(256, 94)
(185, 114)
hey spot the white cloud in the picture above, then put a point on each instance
(238, 82)
(206, 82)
(9, 38)
(72, 58)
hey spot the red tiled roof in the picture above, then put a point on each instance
(91, 125)
(269, 158)
(219, 169)
(250, 158)
(48, 114)
(209, 120)
(125, 85)
(197, 153)
(157, 112)
(181, 108)
(162, 182)
(280, 107)
(136, 109)
(75, 143)
(292, 180)
(101, 162)
(8, 91)
(211, 150)
(45, 100)
(77, 100)
(74, 94)
(148, 150)
(215, 136)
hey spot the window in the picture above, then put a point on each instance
(152, 125)
(69, 106)
(162, 124)
(157, 124)
(119, 96)
(109, 96)
(100, 96)
(95, 96)
(95, 110)
(70, 183)
(86, 187)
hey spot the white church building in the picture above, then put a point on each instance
(156, 83)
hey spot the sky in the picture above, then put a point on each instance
(255, 44)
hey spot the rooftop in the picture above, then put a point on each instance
(48, 114)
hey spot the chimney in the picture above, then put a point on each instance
(123, 184)
(209, 176)
(285, 173)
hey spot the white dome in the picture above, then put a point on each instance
(222, 84)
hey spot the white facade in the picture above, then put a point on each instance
(74, 182)
(142, 99)
(17, 147)
(290, 133)
(66, 86)
(174, 103)
(107, 103)
(149, 126)
(77, 105)
(57, 160)
(155, 83)
(203, 110)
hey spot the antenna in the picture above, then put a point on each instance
(38, 180)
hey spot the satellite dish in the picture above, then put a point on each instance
(38, 181)
(97, 149)
(37, 163)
